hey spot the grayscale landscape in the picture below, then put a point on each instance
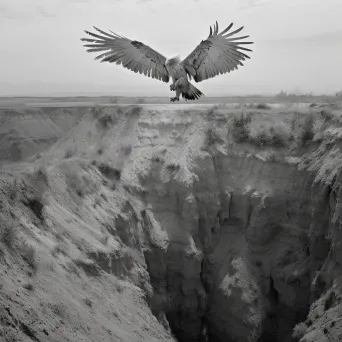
(125, 217)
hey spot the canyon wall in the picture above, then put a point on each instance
(227, 221)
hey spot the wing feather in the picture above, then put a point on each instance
(132, 55)
(220, 53)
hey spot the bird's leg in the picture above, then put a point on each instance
(173, 87)
(176, 98)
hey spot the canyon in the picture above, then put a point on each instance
(189, 223)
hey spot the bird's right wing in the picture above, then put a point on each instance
(133, 55)
(218, 54)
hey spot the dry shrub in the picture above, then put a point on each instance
(172, 167)
(106, 121)
(133, 112)
(109, 172)
(126, 149)
(33, 192)
(108, 117)
(262, 106)
(307, 133)
(78, 183)
(269, 133)
(240, 127)
(212, 138)
(8, 231)
(70, 152)
(28, 286)
(97, 110)
(59, 309)
(88, 302)
(326, 115)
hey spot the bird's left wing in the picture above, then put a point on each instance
(133, 55)
(218, 54)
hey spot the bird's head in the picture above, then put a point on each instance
(173, 61)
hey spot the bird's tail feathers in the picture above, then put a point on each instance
(192, 94)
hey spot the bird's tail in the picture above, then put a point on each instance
(192, 93)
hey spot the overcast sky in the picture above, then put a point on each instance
(298, 44)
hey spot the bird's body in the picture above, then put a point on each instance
(218, 54)
(180, 82)
(174, 68)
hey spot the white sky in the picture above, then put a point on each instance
(298, 44)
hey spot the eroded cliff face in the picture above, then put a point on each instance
(231, 235)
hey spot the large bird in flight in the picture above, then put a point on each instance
(218, 54)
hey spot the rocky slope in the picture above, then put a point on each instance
(202, 223)
(28, 132)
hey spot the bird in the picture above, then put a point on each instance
(218, 54)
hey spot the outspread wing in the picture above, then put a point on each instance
(133, 55)
(218, 54)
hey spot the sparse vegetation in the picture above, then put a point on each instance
(211, 112)
(32, 191)
(37, 207)
(158, 159)
(212, 138)
(241, 127)
(69, 152)
(268, 133)
(8, 231)
(109, 172)
(261, 130)
(28, 286)
(88, 302)
(59, 309)
(172, 167)
(13, 190)
(97, 110)
(78, 183)
(60, 248)
(106, 121)
(326, 115)
(126, 149)
(263, 106)
(307, 133)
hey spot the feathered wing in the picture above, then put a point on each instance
(218, 54)
(133, 55)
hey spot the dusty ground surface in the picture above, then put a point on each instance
(164, 222)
